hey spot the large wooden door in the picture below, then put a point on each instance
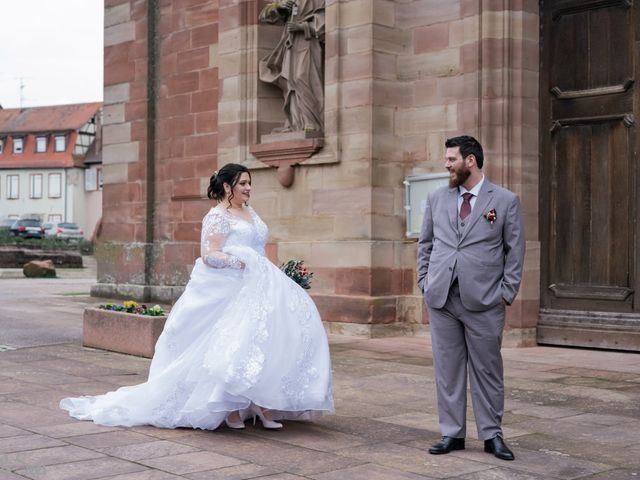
(589, 170)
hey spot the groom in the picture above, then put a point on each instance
(470, 256)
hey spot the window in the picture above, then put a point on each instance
(54, 217)
(93, 179)
(1, 145)
(41, 144)
(18, 145)
(55, 185)
(90, 180)
(61, 143)
(35, 185)
(13, 187)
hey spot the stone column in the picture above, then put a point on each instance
(183, 97)
(121, 248)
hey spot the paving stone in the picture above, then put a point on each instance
(591, 393)
(372, 430)
(424, 421)
(154, 449)
(27, 442)
(594, 451)
(72, 367)
(238, 472)
(549, 464)
(46, 398)
(109, 439)
(18, 414)
(309, 435)
(413, 460)
(4, 475)
(284, 476)
(88, 388)
(46, 456)
(369, 471)
(167, 433)
(389, 357)
(542, 411)
(545, 375)
(271, 453)
(191, 462)
(125, 380)
(40, 376)
(351, 408)
(502, 474)
(618, 474)
(84, 470)
(7, 431)
(145, 475)
(15, 385)
(616, 436)
(72, 429)
(606, 374)
(23, 355)
(602, 420)
(377, 397)
(397, 382)
(594, 382)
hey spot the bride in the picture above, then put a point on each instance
(243, 340)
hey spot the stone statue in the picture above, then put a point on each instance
(296, 65)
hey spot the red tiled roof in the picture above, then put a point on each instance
(56, 118)
(29, 158)
(30, 122)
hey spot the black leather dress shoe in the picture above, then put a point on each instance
(446, 445)
(497, 446)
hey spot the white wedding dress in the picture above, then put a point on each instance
(235, 336)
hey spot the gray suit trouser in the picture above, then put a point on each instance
(460, 338)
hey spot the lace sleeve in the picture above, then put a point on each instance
(215, 230)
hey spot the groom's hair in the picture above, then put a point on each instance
(468, 146)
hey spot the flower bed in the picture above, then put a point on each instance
(120, 331)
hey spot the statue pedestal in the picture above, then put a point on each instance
(284, 150)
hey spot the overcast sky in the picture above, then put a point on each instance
(55, 47)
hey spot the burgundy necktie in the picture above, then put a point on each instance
(465, 208)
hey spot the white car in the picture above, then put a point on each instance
(63, 230)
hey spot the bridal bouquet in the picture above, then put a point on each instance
(296, 271)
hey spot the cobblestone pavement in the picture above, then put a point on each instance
(570, 413)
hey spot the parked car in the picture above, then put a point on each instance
(27, 228)
(63, 230)
(5, 225)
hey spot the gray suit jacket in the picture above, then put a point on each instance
(487, 256)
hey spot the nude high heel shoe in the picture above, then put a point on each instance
(268, 424)
(239, 425)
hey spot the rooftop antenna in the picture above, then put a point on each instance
(22, 86)
(21, 91)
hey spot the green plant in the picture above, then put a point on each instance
(48, 243)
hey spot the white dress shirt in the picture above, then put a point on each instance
(474, 191)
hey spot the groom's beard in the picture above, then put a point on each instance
(460, 176)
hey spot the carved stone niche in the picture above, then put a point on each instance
(282, 150)
(249, 109)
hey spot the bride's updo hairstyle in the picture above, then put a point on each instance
(229, 174)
